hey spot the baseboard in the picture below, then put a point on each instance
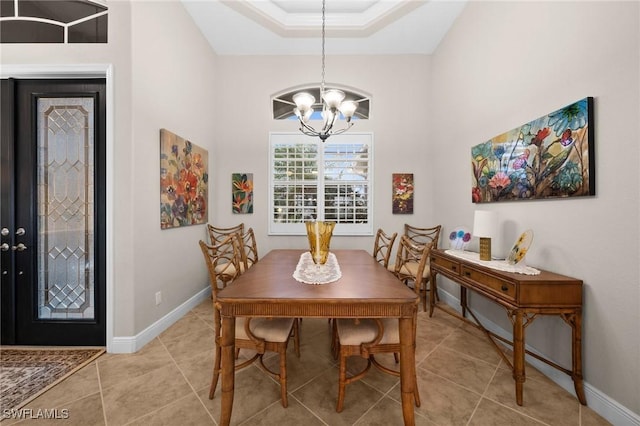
(599, 402)
(125, 345)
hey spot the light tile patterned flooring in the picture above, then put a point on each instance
(461, 378)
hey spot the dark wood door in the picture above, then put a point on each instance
(52, 215)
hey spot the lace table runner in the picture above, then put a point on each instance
(309, 273)
(500, 265)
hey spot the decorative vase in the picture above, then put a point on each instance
(319, 234)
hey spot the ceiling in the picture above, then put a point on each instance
(293, 27)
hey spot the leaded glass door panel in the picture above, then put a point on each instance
(52, 208)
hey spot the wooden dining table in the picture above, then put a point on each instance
(365, 290)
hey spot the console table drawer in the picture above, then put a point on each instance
(503, 288)
(446, 264)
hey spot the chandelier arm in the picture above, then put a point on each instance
(337, 132)
(310, 131)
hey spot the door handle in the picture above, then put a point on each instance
(19, 247)
(20, 231)
(4, 247)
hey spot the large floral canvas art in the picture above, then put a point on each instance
(242, 192)
(402, 193)
(549, 157)
(184, 179)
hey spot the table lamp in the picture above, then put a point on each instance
(485, 227)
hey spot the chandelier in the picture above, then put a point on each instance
(333, 104)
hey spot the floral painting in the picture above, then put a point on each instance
(242, 192)
(184, 178)
(403, 193)
(549, 157)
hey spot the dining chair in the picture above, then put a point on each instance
(382, 247)
(365, 338)
(412, 266)
(257, 334)
(217, 233)
(423, 235)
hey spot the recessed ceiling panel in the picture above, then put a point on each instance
(293, 27)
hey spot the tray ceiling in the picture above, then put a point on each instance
(293, 27)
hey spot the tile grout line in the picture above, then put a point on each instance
(195, 392)
(104, 408)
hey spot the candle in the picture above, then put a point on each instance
(317, 242)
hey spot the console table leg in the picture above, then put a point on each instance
(463, 301)
(576, 332)
(518, 354)
(432, 293)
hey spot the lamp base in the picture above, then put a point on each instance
(485, 248)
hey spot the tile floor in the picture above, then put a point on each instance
(461, 378)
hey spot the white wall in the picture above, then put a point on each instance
(504, 64)
(173, 75)
(245, 86)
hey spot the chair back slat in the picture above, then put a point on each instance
(382, 247)
(217, 233)
(223, 262)
(423, 235)
(249, 248)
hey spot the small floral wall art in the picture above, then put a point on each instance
(550, 157)
(242, 192)
(184, 179)
(402, 193)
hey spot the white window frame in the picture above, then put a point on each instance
(279, 138)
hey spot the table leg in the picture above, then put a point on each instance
(227, 376)
(576, 335)
(407, 369)
(518, 355)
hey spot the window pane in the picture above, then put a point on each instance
(329, 181)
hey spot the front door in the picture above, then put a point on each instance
(52, 213)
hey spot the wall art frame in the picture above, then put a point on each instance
(549, 157)
(242, 193)
(402, 197)
(184, 178)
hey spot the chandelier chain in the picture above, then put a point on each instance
(333, 105)
(323, 35)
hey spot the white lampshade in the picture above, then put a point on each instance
(485, 224)
(348, 108)
(333, 97)
(304, 101)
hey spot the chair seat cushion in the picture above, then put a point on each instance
(411, 268)
(269, 329)
(230, 270)
(366, 330)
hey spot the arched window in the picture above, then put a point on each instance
(45, 21)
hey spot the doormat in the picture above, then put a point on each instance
(26, 373)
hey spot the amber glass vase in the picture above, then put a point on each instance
(319, 234)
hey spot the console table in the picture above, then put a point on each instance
(524, 297)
